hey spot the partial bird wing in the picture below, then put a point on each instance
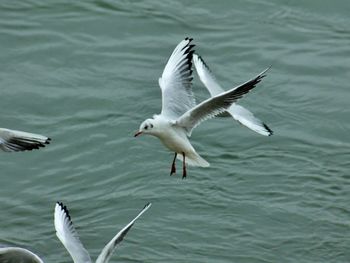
(206, 76)
(14, 141)
(67, 234)
(216, 105)
(246, 118)
(175, 83)
(17, 254)
(111, 246)
(239, 113)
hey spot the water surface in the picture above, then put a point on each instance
(86, 74)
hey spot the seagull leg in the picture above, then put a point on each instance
(173, 168)
(184, 173)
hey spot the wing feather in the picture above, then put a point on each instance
(246, 118)
(206, 76)
(239, 113)
(175, 83)
(67, 234)
(111, 246)
(14, 141)
(216, 105)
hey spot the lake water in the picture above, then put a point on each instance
(86, 74)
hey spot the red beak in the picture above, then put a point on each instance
(138, 133)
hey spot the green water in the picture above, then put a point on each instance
(86, 74)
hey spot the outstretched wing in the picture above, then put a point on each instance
(216, 105)
(175, 83)
(239, 113)
(18, 255)
(66, 232)
(111, 246)
(246, 118)
(15, 141)
(206, 76)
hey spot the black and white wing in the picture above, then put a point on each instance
(246, 118)
(67, 234)
(18, 255)
(239, 113)
(175, 83)
(216, 105)
(15, 141)
(206, 76)
(111, 246)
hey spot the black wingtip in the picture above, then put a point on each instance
(189, 46)
(147, 205)
(189, 56)
(260, 76)
(21, 144)
(244, 88)
(203, 62)
(268, 129)
(65, 209)
(264, 73)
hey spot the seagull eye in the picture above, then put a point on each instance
(146, 127)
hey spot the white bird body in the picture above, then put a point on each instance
(175, 139)
(180, 114)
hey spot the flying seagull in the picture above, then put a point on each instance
(180, 114)
(16, 141)
(67, 234)
(239, 113)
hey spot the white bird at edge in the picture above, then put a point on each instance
(180, 114)
(67, 234)
(239, 113)
(16, 141)
(18, 255)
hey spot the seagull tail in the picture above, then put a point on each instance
(193, 159)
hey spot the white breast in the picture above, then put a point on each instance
(175, 139)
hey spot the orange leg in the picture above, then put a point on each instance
(173, 167)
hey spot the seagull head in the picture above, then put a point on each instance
(147, 127)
